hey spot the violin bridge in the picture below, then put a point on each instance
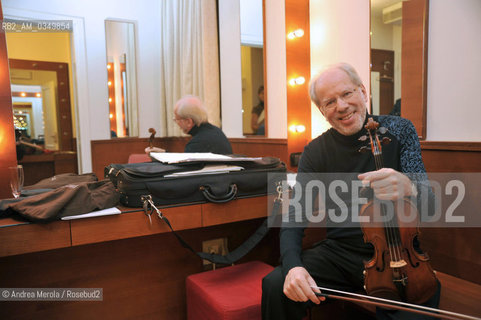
(398, 264)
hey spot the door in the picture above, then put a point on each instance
(382, 81)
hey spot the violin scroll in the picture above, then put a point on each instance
(373, 129)
(152, 136)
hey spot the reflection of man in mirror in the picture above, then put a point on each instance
(25, 145)
(19, 146)
(191, 116)
(257, 118)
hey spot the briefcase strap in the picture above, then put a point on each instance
(232, 256)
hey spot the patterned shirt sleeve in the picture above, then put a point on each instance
(411, 159)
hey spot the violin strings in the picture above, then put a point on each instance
(393, 237)
(392, 234)
(389, 231)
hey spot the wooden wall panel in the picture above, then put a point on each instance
(105, 152)
(142, 278)
(259, 147)
(442, 156)
(298, 64)
(133, 224)
(22, 238)
(414, 63)
(454, 251)
(234, 211)
(41, 166)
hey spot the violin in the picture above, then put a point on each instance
(152, 136)
(397, 270)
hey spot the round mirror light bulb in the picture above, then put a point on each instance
(299, 33)
(295, 34)
(297, 81)
(297, 128)
(300, 80)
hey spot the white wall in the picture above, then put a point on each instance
(339, 33)
(276, 69)
(230, 68)
(381, 33)
(251, 22)
(92, 102)
(388, 37)
(454, 71)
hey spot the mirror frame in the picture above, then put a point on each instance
(264, 49)
(414, 57)
(264, 70)
(131, 78)
(64, 112)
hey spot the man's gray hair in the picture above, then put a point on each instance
(192, 107)
(346, 67)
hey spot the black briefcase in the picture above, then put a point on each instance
(147, 169)
(159, 180)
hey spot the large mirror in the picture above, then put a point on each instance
(41, 105)
(121, 82)
(386, 39)
(252, 67)
(406, 76)
(35, 108)
(41, 91)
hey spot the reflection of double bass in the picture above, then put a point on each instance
(397, 270)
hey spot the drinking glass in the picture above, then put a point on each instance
(16, 180)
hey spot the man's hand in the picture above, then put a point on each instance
(387, 183)
(153, 149)
(297, 286)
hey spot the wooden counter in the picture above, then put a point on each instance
(22, 237)
(140, 267)
(19, 238)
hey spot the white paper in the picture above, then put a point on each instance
(173, 157)
(208, 169)
(99, 213)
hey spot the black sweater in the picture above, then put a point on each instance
(208, 138)
(333, 154)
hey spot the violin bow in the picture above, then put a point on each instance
(32, 145)
(386, 303)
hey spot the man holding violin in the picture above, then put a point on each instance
(338, 261)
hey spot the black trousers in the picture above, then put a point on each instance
(332, 264)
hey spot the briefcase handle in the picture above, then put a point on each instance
(219, 199)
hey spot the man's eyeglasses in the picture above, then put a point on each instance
(346, 96)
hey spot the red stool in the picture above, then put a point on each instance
(231, 293)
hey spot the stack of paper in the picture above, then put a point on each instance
(172, 157)
(99, 213)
